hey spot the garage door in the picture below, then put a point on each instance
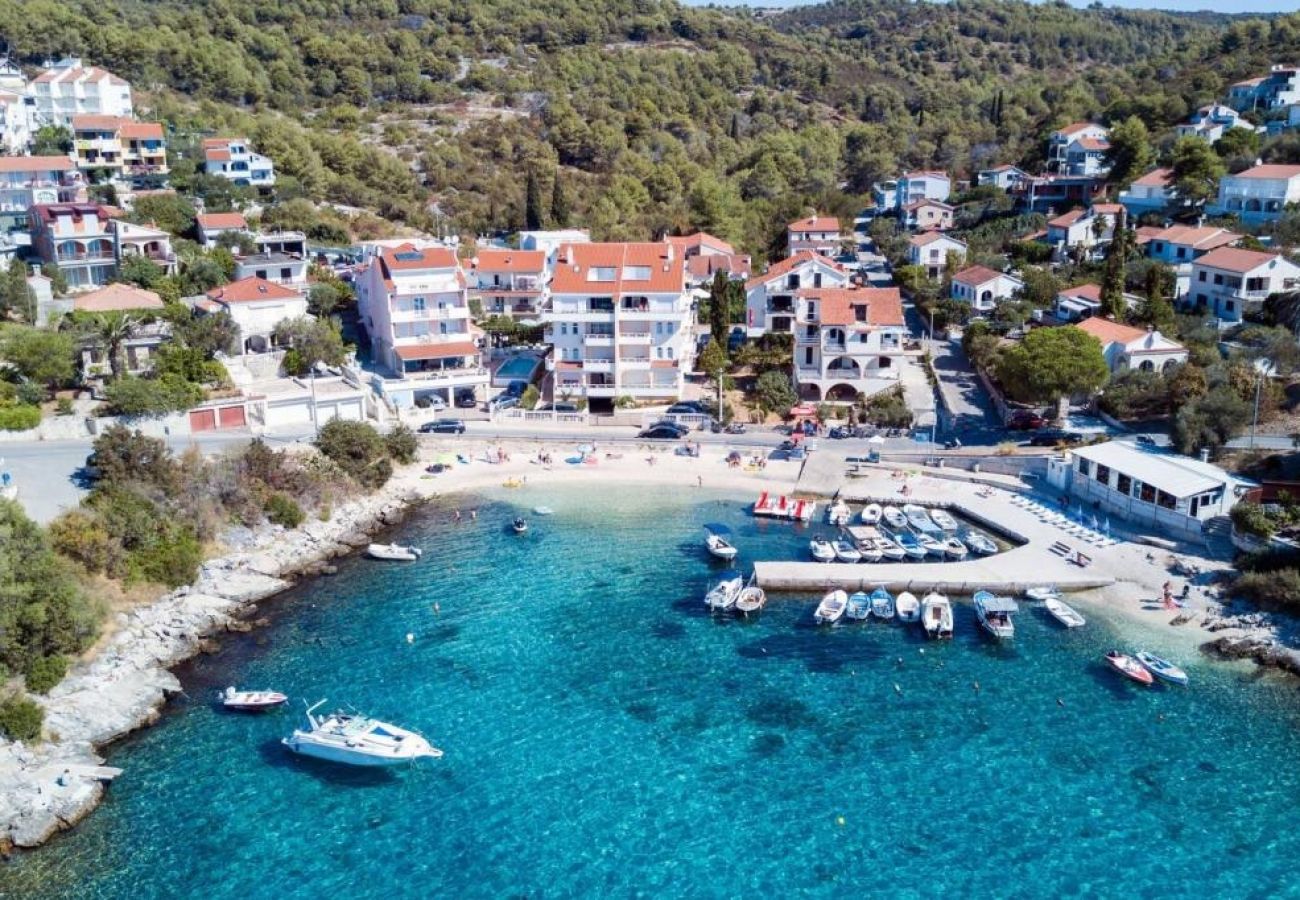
(291, 413)
(231, 417)
(203, 420)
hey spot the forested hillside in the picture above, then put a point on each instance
(653, 116)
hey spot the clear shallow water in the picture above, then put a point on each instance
(605, 737)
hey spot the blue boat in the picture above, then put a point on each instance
(882, 604)
(859, 606)
(911, 546)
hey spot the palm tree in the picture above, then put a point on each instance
(110, 331)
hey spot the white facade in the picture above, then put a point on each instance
(235, 160)
(509, 283)
(820, 234)
(1079, 228)
(144, 240)
(1227, 282)
(67, 89)
(280, 268)
(770, 298)
(931, 251)
(15, 124)
(1126, 347)
(911, 187)
(984, 288)
(1152, 193)
(1005, 177)
(550, 241)
(256, 307)
(848, 341)
(1210, 122)
(27, 181)
(1259, 194)
(1077, 149)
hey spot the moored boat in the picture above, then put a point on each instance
(890, 549)
(893, 517)
(979, 543)
(716, 543)
(394, 552)
(882, 603)
(1129, 667)
(750, 600)
(936, 616)
(907, 607)
(846, 552)
(954, 549)
(1064, 613)
(838, 513)
(831, 608)
(1162, 668)
(519, 526)
(870, 514)
(859, 606)
(945, 521)
(870, 552)
(919, 518)
(724, 594)
(1043, 592)
(357, 740)
(931, 545)
(994, 614)
(911, 546)
(251, 701)
(822, 551)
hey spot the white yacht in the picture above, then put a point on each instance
(356, 740)
(838, 513)
(936, 616)
(395, 552)
(831, 609)
(251, 701)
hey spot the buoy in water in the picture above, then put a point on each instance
(839, 820)
(1060, 702)
(976, 685)
(897, 689)
(410, 638)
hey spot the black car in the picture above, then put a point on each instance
(839, 432)
(1050, 437)
(664, 431)
(687, 408)
(516, 388)
(466, 401)
(443, 426)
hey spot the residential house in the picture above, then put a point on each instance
(1229, 281)
(274, 266)
(1083, 229)
(927, 215)
(235, 160)
(119, 147)
(67, 89)
(1278, 89)
(913, 186)
(146, 337)
(770, 298)
(820, 234)
(1181, 245)
(290, 243)
(1211, 122)
(15, 123)
(707, 255)
(550, 241)
(619, 320)
(211, 226)
(509, 283)
(1259, 194)
(1006, 177)
(143, 240)
(848, 341)
(78, 238)
(1127, 347)
(983, 288)
(1152, 193)
(1082, 301)
(932, 249)
(1242, 95)
(1078, 149)
(1050, 193)
(27, 181)
(414, 304)
(256, 306)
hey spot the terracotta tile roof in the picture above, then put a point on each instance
(221, 220)
(407, 258)
(48, 212)
(252, 290)
(706, 264)
(930, 237)
(1075, 128)
(917, 204)
(141, 130)
(1109, 332)
(118, 297)
(702, 240)
(1249, 82)
(97, 123)
(76, 73)
(1156, 178)
(36, 164)
(1068, 219)
(976, 275)
(1204, 238)
(1108, 209)
(1084, 291)
(839, 306)
(1092, 143)
(1270, 171)
(575, 264)
(436, 351)
(1147, 233)
(510, 261)
(816, 223)
(218, 149)
(1230, 259)
(789, 264)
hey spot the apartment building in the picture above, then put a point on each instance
(1228, 281)
(1152, 193)
(848, 341)
(820, 234)
(706, 255)
(1078, 149)
(770, 298)
(119, 147)
(28, 181)
(1180, 245)
(909, 188)
(211, 226)
(983, 288)
(233, 158)
(619, 321)
(1259, 194)
(509, 283)
(256, 306)
(152, 243)
(67, 89)
(15, 123)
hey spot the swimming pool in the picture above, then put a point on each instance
(518, 368)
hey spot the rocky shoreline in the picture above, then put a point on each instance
(50, 787)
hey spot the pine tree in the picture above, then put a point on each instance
(532, 203)
(559, 203)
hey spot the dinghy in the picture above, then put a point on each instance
(859, 606)
(979, 543)
(724, 594)
(871, 514)
(251, 701)
(1129, 667)
(838, 513)
(954, 549)
(1064, 613)
(543, 511)
(893, 517)
(1162, 668)
(1043, 592)
(936, 616)
(716, 544)
(931, 545)
(907, 607)
(846, 552)
(882, 604)
(890, 549)
(395, 552)
(750, 600)
(822, 551)
(919, 518)
(831, 608)
(910, 545)
(943, 519)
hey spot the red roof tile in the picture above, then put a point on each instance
(510, 261)
(1109, 332)
(221, 220)
(118, 297)
(436, 351)
(789, 264)
(816, 223)
(700, 240)
(1230, 259)
(406, 258)
(575, 263)
(252, 290)
(976, 275)
(36, 164)
(1156, 178)
(1084, 291)
(839, 306)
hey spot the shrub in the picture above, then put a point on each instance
(1252, 519)
(132, 396)
(888, 409)
(1279, 589)
(775, 392)
(30, 393)
(44, 673)
(21, 719)
(281, 509)
(83, 537)
(402, 444)
(64, 406)
(171, 558)
(357, 449)
(19, 417)
(530, 397)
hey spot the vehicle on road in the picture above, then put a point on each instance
(731, 428)
(431, 401)
(466, 401)
(443, 426)
(503, 401)
(557, 407)
(1024, 420)
(688, 408)
(664, 431)
(1052, 437)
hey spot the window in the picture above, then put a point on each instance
(1200, 276)
(417, 304)
(1146, 493)
(1103, 474)
(1083, 466)
(1218, 279)
(1168, 501)
(1182, 252)
(442, 328)
(286, 274)
(1124, 484)
(1229, 306)
(807, 356)
(601, 273)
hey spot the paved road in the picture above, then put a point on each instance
(974, 418)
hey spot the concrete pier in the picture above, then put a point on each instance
(1005, 573)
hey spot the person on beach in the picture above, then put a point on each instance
(456, 515)
(699, 481)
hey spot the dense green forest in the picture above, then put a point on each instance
(651, 115)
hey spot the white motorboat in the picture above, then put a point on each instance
(936, 616)
(871, 514)
(1043, 592)
(724, 594)
(907, 607)
(251, 701)
(718, 546)
(543, 511)
(1162, 668)
(943, 519)
(357, 740)
(859, 606)
(931, 545)
(994, 614)
(1129, 667)
(882, 604)
(838, 513)
(822, 551)
(979, 543)
(395, 552)
(893, 517)
(750, 600)
(1064, 613)
(519, 526)
(911, 546)
(870, 551)
(846, 552)
(919, 518)
(890, 549)
(953, 548)
(831, 609)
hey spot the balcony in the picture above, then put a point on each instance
(598, 340)
(635, 362)
(410, 314)
(597, 364)
(85, 259)
(452, 377)
(638, 338)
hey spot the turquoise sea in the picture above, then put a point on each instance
(605, 737)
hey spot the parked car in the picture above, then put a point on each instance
(443, 426)
(1024, 420)
(839, 432)
(688, 408)
(730, 428)
(558, 407)
(431, 401)
(664, 431)
(466, 401)
(1050, 437)
(516, 388)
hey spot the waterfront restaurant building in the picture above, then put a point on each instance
(1168, 493)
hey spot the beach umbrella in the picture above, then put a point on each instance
(586, 448)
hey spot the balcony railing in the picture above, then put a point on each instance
(464, 373)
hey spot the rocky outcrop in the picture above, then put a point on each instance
(1263, 650)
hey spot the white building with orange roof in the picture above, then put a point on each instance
(67, 88)
(848, 341)
(820, 234)
(27, 181)
(233, 158)
(1081, 301)
(1128, 347)
(927, 215)
(138, 349)
(1259, 194)
(1229, 281)
(707, 255)
(770, 298)
(509, 283)
(1078, 149)
(931, 251)
(983, 288)
(211, 226)
(414, 304)
(619, 319)
(1084, 229)
(119, 146)
(1152, 193)
(256, 306)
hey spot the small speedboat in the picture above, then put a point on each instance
(395, 552)
(1064, 613)
(724, 594)
(893, 517)
(936, 616)
(357, 740)
(931, 545)
(907, 607)
(846, 552)
(911, 546)
(519, 526)
(831, 608)
(717, 545)
(890, 549)
(994, 614)
(979, 543)
(859, 607)
(1162, 668)
(822, 551)
(838, 513)
(882, 604)
(750, 600)
(1043, 592)
(1129, 667)
(943, 520)
(871, 514)
(251, 701)
(953, 548)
